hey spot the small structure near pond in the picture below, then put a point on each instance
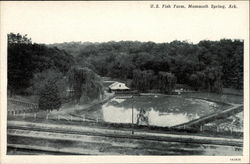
(118, 87)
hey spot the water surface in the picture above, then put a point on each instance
(158, 110)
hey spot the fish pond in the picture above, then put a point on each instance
(163, 110)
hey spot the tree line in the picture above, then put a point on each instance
(48, 72)
(208, 65)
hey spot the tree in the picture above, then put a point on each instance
(213, 79)
(49, 97)
(19, 63)
(190, 63)
(26, 59)
(18, 39)
(86, 84)
(40, 79)
(167, 82)
(143, 80)
(194, 79)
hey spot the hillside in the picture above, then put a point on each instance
(209, 65)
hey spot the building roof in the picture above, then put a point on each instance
(108, 83)
(118, 86)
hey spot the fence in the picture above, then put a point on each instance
(87, 121)
(17, 107)
(30, 111)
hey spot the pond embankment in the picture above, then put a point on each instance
(214, 116)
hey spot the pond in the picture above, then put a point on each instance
(154, 110)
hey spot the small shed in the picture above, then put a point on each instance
(118, 86)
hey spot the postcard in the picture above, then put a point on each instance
(124, 82)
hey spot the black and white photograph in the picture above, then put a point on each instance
(120, 79)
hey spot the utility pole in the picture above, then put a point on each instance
(132, 115)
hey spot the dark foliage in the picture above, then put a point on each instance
(208, 65)
(25, 59)
(85, 83)
(49, 97)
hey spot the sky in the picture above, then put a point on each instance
(56, 22)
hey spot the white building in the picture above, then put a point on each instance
(117, 86)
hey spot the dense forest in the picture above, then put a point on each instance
(208, 65)
(47, 73)
(31, 65)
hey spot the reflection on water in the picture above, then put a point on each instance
(159, 111)
(124, 115)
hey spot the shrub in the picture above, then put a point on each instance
(49, 97)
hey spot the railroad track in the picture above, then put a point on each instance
(115, 133)
(40, 142)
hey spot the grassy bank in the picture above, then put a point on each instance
(70, 114)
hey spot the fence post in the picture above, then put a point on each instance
(217, 129)
(47, 116)
(35, 115)
(24, 114)
(70, 118)
(201, 129)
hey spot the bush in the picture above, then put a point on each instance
(49, 97)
